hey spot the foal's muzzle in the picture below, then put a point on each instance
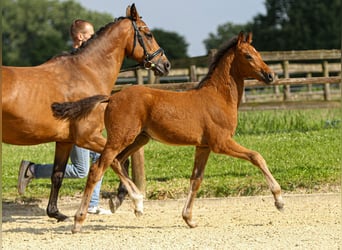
(268, 77)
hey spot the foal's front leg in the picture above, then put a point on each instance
(201, 158)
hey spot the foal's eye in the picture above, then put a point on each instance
(248, 57)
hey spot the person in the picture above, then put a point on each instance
(80, 32)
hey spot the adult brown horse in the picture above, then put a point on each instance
(205, 117)
(28, 92)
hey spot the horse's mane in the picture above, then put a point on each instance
(217, 58)
(91, 39)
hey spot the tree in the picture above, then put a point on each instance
(224, 33)
(289, 25)
(35, 30)
(294, 25)
(174, 44)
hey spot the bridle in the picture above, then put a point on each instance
(147, 62)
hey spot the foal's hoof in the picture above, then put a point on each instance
(191, 223)
(138, 213)
(279, 205)
(76, 230)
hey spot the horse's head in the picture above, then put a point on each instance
(145, 48)
(250, 61)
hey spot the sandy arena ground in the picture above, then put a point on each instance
(308, 222)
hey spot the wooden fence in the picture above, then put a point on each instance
(302, 75)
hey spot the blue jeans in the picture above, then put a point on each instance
(78, 169)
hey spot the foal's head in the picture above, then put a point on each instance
(250, 62)
(145, 48)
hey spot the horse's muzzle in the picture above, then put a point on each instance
(162, 68)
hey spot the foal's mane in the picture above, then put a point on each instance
(217, 58)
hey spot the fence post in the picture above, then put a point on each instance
(193, 75)
(138, 170)
(309, 86)
(151, 77)
(327, 95)
(287, 89)
(139, 76)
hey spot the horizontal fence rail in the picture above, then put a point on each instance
(301, 75)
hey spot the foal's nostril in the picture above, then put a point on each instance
(270, 77)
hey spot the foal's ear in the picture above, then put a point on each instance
(249, 38)
(241, 38)
(134, 13)
(128, 11)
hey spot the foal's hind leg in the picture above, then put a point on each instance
(234, 149)
(132, 190)
(62, 152)
(141, 140)
(201, 157)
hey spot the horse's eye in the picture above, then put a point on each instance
(149, 35)
(248, 57)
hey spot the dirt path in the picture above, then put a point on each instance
(309, 222)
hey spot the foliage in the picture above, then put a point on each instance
(33, 31)
(36, 30)
(302, 149)
(224, 33)
(289, 25)
(174, 44)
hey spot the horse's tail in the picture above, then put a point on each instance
(77, 110)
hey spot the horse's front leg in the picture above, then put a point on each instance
(201, 158)
(234, 149)
(62, 152)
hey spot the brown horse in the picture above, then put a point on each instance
(205, 117)
(28, 92)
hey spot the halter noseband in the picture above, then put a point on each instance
(147, 63)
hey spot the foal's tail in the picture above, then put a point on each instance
(77, 110)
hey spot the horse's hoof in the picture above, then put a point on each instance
(66, 219)
(59, 216)
(62, 217)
